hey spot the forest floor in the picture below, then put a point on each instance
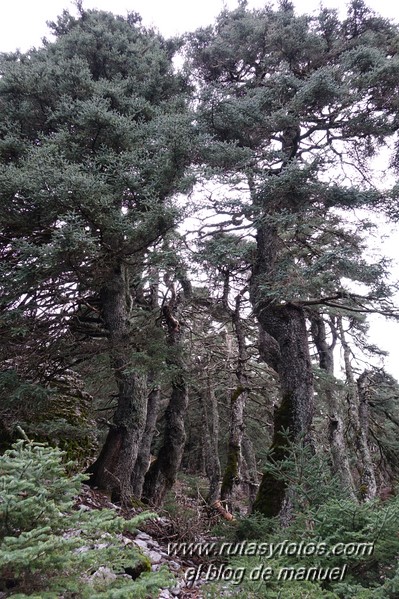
(184, 519)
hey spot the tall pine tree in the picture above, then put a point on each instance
(94, 143)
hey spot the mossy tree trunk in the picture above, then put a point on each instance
(232, 473)
(232, 477)
(284, 327)
(144, 455)
(250, 472)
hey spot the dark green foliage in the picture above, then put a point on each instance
(95, 140)
(58, 412)
(48, 547)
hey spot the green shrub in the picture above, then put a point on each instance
(365, 534)
(48, 548)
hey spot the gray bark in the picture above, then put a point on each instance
(368, 484)
(250, 477)
(336, 436)
(144, 455)
(113, 468)
(163, 471)
(232, 477)
(357, 397)
(211, 437)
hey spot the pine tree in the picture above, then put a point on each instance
(94, 143)
(290, 100)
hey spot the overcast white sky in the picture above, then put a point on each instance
(23, 22)
(23, 25)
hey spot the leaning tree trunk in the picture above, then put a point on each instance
(336, 436)
(163, 471)
(284, 332)
(113, 468)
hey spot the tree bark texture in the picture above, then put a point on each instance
(250, 472)
(232, 477)
(368, 484)
(339, 450)
(284, 326)
(163, 471)
(113, 468)
(357, 397)
(211, 437)
(144, 455)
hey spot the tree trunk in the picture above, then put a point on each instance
(339, 450)
(211, 436)
(251, 478)
(232, 474)
(163, 471)
(113, 468)
(232, 477)
(357, 398)
(368, 484)
(144, 455)
(285, 334)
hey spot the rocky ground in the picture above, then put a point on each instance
(155, 536)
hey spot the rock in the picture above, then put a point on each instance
(141, 543)
(101, 546)
(154, 556)
(104, 573)
(126, 541)
(143, 536)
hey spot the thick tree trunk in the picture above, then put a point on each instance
(286, 324)
(113, 468)
(284, 327)
(336, 436)
(144, 455)
(163, 471)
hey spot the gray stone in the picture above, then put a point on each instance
(141, 543)
(154, 556)
(143, 536)
(104, 573)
